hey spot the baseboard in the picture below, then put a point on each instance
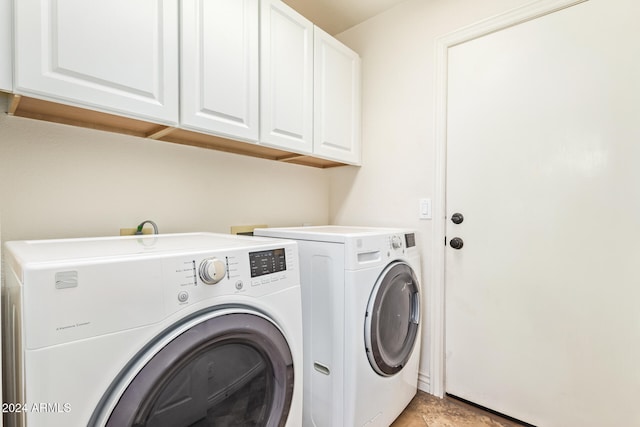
(424, 383)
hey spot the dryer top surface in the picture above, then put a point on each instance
(328, 233)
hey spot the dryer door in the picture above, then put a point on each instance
(231, 369)
(392, 319)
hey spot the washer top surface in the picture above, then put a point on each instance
(53, 250)
(327, 233)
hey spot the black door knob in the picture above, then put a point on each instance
(456, 243)
(457, 218)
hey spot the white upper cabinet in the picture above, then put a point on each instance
(220, 67)
(119, 56)
(6, 41)
(286, 73)
(248, 70)
(336, 100)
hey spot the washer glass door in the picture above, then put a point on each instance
(233, 369)
(392, 319)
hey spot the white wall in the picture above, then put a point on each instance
(398, 63)
(59, 181)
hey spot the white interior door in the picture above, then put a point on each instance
(543, 161)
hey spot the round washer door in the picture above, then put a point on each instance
(392, 319)
(231, 369)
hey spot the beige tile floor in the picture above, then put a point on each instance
(426, 410)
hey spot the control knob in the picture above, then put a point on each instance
(212, 270)
(396, 242)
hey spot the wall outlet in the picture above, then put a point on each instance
(132, 231)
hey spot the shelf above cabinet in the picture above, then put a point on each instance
(23, 106)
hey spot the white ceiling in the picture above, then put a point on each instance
(335, 16)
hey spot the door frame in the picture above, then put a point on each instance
(437, 289)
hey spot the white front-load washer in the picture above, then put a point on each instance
(168, 330)
(361, 322)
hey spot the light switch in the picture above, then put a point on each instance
(424, 209)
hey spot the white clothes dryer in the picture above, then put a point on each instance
(165, 330)
(361, 321)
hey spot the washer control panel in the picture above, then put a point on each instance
(252, 273)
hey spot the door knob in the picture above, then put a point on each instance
(457, 218)
(456, 243)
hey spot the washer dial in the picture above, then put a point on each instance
(212, 270)
(396, 242)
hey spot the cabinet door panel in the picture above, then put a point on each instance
(119, 56)
(219, 65)
(6, 57)
(286, 78)
(336, 100)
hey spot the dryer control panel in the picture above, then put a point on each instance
(373, 250)
(398, 241)
(410, 239)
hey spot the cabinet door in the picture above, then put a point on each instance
(219, 67)
(118, 56)
(286, 106)
(336, 100)
(6, 57)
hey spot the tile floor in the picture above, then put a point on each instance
(426, 410)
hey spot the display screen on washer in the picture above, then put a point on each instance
(267, 262)
(410, 239)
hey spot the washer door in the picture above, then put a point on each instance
(231, 369)
(392, 319)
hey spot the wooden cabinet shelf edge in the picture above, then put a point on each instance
(33, 108)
